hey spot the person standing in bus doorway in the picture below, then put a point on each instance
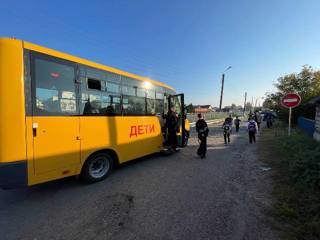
(237, 123)
(172, 125)
(202, 130)
(252, 130)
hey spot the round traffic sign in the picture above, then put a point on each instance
(291, 100)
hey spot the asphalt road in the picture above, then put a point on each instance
(174, 197)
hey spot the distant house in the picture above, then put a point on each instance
(316, 102)
(203, 108)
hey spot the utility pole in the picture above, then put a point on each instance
(255, 105)
(222, 85)
(252, 106)
(221, 95)
(245, 102)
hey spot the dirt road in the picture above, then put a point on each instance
(175, 197)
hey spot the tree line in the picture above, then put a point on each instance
(306, 83)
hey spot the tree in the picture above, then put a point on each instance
(233, 107)
(306, 84)
(189, 108)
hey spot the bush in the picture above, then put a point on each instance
(296, 184)
(303, 159)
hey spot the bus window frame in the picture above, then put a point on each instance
(33, 55)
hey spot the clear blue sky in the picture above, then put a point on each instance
(186, 44)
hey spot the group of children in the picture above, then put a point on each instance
(252, 128)
(203, 130)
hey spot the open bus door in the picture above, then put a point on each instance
(177, 101)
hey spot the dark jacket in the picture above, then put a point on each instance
(171, 121)
(202, 128)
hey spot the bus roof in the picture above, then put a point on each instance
(37, 48)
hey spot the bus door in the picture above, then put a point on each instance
(55, 120)
(177, 101)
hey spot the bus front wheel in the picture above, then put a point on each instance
(97, 167)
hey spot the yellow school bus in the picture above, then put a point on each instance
(62, 116)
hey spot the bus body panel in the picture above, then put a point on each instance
(56, 144)
(129, 137)
(12, 120)
(13, 157)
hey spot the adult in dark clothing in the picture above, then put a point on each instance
(229, 120)
(269, 118)
(237, 123)
(257, 118)
(172, 126)
(202, 130)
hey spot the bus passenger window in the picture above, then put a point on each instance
(141, 92)
(133, 105)
(128, 90)
(159, 106)
(95, 103)
(159, 103)
(94, 84)
(116, 104)
(151, 106)
(54, 88)
(113, 87)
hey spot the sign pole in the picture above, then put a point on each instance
(290, 100)
(290, 114)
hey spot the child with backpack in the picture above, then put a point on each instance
(226, 131)
(252, 130)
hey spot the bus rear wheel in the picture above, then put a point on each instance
(97, 167)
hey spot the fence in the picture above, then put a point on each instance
(308, 125)
(192, 117)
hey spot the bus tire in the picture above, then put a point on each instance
(97, 167)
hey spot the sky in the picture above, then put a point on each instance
(185, 43)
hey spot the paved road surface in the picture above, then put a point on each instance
(174, 197)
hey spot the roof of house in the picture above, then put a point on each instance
(313, 100)
(202, 106)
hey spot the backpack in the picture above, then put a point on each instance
(252, 127)
(226, 128)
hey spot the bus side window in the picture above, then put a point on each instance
(54, 87)
(94, 84)
(133, 97)
(133, 105)
(150, 97)
(159, 103)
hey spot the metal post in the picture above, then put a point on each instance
(221, 96)
(289, 128)
(245, 102)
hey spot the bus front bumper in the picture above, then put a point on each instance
(13, 174)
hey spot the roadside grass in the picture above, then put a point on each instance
(296, 182)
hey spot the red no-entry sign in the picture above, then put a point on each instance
(291, 100)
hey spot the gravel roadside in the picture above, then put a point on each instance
(181, 196)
